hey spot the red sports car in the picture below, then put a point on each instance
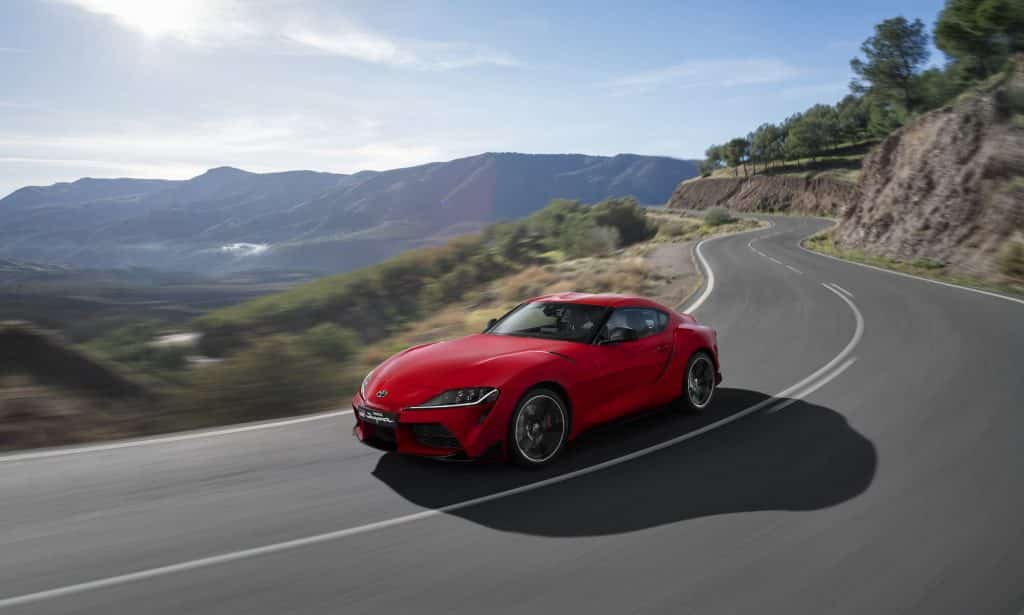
(536, 378)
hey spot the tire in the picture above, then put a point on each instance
(699, 387)
(538, 429)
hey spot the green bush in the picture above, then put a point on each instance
(587, 238)
(1011, 261)
(331, 342)
(717, 216)
(272, 377)
(926, 263)
(132, 346)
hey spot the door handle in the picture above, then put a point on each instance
(664, 348)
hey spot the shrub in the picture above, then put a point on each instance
(589, 239)
(925, 263)
(329, 341)
(717, 216)
(669, 229)
(1011, 261)
(272, 377)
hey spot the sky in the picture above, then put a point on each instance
(170, 88)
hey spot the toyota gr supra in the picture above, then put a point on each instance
(536, 378)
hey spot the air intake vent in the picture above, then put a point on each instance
(433, 435)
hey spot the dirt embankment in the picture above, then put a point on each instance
(767, 193)
(51, 394)
(948, 187)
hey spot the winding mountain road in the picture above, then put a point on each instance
(865, 454)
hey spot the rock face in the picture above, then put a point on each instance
(765, 193)
(949, 187)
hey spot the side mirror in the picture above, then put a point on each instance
(621, 334)
(491, 323)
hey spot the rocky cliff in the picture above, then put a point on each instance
(767, 193)
(948, 187)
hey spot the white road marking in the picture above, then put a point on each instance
(844, 291)
(797, 391)
(814, 387)
(774, 260)
(191, 435)
(794, 269)
(914, 277)
(750, 244)
(710, 284)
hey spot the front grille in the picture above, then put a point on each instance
(386, 434)
(433, 435)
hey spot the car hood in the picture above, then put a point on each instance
(415, 375)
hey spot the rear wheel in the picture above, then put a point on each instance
(699, 383)
(539, 427)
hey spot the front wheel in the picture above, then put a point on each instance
(699, 385)
(539, 428)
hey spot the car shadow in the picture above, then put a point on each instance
(800, 457)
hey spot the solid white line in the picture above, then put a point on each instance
(710, 284)
(814, 387)
(796, 391)
(794, 269)
(191, 435)
(840, 288)
(774, 260)
(914, 277)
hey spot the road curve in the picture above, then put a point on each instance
(863, 455)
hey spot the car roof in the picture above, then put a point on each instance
(602, 299)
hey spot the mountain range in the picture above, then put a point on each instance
(228, 219)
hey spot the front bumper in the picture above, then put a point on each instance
(447, 432)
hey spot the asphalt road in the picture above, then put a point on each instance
(864, 455)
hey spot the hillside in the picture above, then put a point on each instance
(824, 196)
(943, 195)
(230, 220)
(949, 187)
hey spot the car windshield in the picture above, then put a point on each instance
(571, 322)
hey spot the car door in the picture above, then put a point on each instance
(631, 370)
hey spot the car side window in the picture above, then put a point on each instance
(645, 321)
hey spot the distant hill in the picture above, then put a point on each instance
(231, 220)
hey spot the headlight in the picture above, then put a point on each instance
(454, 398)
(366, 381)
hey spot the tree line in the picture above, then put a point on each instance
(891, 84)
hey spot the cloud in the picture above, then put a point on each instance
(347, 41)
(245, 249)
(257, 143)
(286, 28)
(200, 22)
(709, 73)
(354, 44)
